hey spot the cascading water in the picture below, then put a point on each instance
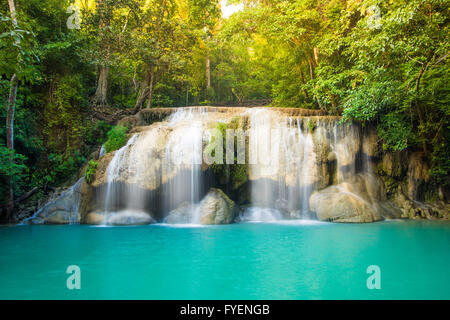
(286, 182)
(289, 158)
(184, 156)
(118, 163)
(167, 157)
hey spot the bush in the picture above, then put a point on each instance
(94, 134)
(117, 137)
(14, 170)
(63, 166)
(90, 170)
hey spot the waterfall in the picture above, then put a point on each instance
(285, 182)
(118, 163)
(307, 168)
(167, 155)
(102, 151)
(183, 158)
(161, 168)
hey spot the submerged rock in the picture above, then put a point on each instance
(216, 208)
(121, 218)
(302, 215)
(337, 205)
(255, 214)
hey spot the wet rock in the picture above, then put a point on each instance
(370, 141)
(282, 206)
(121, 218)
(417, 176)
(393, 164)
(182, 214)
(334, 204)
(216, 208)
(64, 208)
(94, 218)
(412, 209)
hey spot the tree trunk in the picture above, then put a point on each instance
(146, 90)
(311, 69)
(208, 72)
(12, 10)
(10, 139)
(311, 74)
(316, 55)
(420, 111)
(143, 91)
(102, 86)
(302, 80)
(150, 91)
(14, 83)
(101, 94)
(11, 105)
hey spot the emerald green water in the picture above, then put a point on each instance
(240, 261)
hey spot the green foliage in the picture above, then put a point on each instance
(232, 174)
(90, 170)
(395, 131)
(63, 114)
(17, 50)
(62, 167)
(15, 170)
(311, 126)
(95, 133)
(117, 137)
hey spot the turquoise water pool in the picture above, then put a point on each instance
(296, 260)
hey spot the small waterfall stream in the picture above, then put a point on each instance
(184, 157)
(287, 180)
(67, 202)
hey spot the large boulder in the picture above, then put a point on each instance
(183, 214)
(337, 205)
(216, 208)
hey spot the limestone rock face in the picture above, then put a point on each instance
(370, 141)
(100, 173)
(417, 175)
(394, 164)
(216, 208)
(336, 205)
(64, 208)
(136, 163)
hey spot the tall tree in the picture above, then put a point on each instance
(158, 40)
(11, 105)
(205, 14)
(101, 94)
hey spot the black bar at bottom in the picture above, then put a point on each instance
(222, 309)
